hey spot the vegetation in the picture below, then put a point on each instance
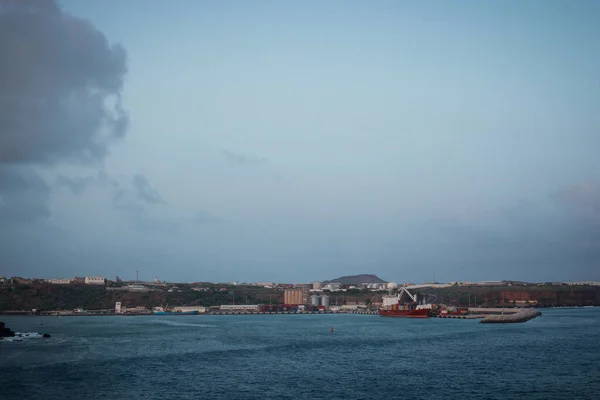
(67, 297)
(44, 297)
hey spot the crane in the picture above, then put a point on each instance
(404, 290)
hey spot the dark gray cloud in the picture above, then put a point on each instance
(242, 159)
(145, 192)
(23, 195)
(136, 200)
(60, 85)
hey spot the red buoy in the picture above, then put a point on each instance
(331, 329)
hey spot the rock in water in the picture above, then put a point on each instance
(5, 332)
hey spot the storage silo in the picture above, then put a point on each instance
(314, 300)
(325, 301)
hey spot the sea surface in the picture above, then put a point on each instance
(556, 356)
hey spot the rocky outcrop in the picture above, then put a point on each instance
(5, 332)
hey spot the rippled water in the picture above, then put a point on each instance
(296, 356)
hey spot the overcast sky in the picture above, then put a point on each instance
(292, 142)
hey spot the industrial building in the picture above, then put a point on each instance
(319, 301)
(295, 296)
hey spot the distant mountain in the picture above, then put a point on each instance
(357, 279)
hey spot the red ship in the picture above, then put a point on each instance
(392, 308)
(420, 313)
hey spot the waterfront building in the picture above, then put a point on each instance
(200, 309)
(295, 296)
(239, 307)
(315, 300)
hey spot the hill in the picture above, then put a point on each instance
(357, 279)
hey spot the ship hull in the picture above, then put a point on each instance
(424, 313)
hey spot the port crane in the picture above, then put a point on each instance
(426, 299)
(413, 297)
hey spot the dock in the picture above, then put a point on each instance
(521, 316)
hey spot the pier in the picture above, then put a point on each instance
(521, 316)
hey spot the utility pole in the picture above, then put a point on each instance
(137, 276)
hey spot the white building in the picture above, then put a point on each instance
(58, 281)
(94, 280)
(333, 286)
(392, 285)
(118, 307)
(375, 286)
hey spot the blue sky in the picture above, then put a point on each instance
(303, 141)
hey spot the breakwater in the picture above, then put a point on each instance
(521, 316)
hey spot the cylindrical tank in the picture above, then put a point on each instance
(314, 300)
(325, 300)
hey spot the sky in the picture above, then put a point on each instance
(300, 141)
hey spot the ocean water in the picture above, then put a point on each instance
(556, 356)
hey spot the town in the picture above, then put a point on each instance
(96, 295)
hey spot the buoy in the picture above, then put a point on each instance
(331, 329)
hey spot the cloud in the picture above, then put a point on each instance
(138, 200)
(582, 199)
(204, 217)
(242, 159)
(60, 86)
(145, 192)
(78, 184)
(554, 240)
(24, 195)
